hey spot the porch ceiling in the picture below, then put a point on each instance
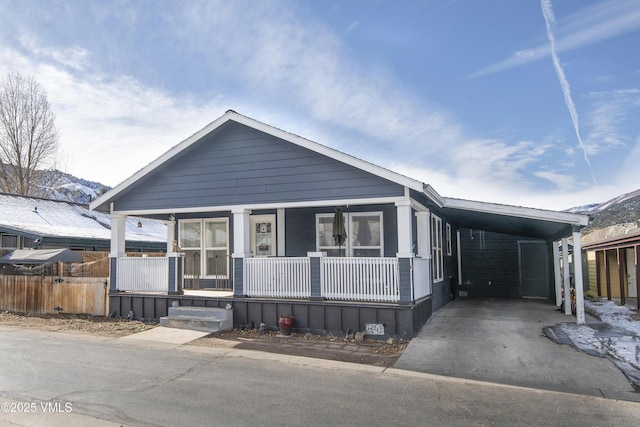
(526, 222)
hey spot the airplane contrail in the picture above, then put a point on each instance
(549, 19)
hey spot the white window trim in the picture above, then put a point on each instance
(203, 248)
(449, 241)
(437, 249)
(348, 227)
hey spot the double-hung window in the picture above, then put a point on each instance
(436, 239)
(364, 235)
(205, 243)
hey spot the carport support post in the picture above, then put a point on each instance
(565, 273)
(556, 273)
(577, 275)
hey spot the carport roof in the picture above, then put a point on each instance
(515, 220)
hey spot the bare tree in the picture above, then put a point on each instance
(28, 135)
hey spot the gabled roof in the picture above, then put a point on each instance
(231, 115)
(35, 217)
(489, 216)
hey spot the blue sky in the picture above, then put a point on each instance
(531, 103)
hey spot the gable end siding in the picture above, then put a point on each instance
(236, 164)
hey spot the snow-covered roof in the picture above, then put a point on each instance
(52, 218)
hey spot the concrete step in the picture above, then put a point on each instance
(211, 312)
(204, 319)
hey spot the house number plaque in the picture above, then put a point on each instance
(374, 328)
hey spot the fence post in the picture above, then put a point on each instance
(315, 266)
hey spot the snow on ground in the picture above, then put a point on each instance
(616, 336)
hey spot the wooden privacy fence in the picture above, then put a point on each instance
(37, 294)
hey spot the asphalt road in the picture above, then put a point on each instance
(65, 379)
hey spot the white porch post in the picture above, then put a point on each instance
(577, 275)
(118, 224)
(241, 248)
(171, 235)
(118, 227)
(405, 251)
(280, 238)
(405, 247)
(424, 237)
(556, 273)
(565, 271)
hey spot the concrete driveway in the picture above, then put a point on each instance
(501, 341)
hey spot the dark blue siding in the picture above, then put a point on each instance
(236, 164)
(490, 266)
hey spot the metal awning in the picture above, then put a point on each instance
(40, 256)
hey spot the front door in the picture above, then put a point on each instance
(263, 235)
(534, 276)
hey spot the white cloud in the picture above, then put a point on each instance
(609, 113)
(595, 23)
(110, 128)
(560, 180)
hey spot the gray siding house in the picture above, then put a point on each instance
(292, 227)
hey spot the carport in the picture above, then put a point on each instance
(539, 235)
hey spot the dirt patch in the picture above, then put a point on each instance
(75, 323)
(368, 352)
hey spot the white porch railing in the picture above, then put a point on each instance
(143, 274)
(341, 278)
(360, 279)
(421, 277)
(277, 277)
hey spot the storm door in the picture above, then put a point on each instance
(263, 235)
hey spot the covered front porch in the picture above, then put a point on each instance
(326, 294)
(331, 272)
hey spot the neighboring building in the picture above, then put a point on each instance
(271, 203)
(613, 265)
(34, 223)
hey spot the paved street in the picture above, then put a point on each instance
(87, 380)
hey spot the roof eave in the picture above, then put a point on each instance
(531, 213)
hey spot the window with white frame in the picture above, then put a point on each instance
(205, 243)
(364, 235)
(436, 239)
(449, 242)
